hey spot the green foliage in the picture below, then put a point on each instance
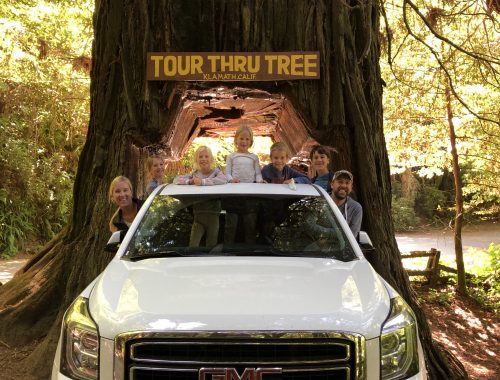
(35, 195)
(403, 214)
(488, 281)
(431, 202)
(16, 219)
(52, 199)
(417, 69)
(483, 280)
(485, 294)
(44, 103)
(442, 297)
(494, 262)
(15, 224)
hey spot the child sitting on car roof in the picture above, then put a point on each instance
(278, 171)
(206, 214)
(242, 167)
(155, 170)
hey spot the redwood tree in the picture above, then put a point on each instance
(343, 109)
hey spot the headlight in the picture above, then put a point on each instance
(80, 343)
(398, 343)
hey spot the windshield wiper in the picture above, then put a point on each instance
(156, 255)
(238, 250)
(270, 252)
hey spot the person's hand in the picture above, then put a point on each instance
(235, 180)
(197, 181)
(287, 181)
(311, 171)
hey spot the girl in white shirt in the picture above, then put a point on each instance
(242, 166)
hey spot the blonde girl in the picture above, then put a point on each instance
(204, 174)
(155, 169)
(206, 214)
(243, 166)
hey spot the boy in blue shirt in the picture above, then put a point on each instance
(273, 213)
(278, 171)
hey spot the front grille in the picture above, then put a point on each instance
(298, 356)
(162, 374)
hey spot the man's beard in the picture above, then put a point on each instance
(340, 196)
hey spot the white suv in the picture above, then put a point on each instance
(286, 295)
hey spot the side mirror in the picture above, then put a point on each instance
(114, 241)
(364, 239)
(365, 243)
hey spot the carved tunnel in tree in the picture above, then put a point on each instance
(219, 110)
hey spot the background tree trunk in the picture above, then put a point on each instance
(343, 109)
(459, 202)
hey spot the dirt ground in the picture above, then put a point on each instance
(459, 323)
(463, 327)
(11, 362)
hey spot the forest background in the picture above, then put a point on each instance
(440, 67)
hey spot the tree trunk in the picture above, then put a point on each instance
(459, 202)
(343, 109)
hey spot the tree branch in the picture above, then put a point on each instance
(387, 32)
(441, 64)
(444, 39)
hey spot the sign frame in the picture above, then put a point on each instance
(232, 66)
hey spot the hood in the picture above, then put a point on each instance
(239, 293)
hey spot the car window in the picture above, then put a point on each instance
(260, 225)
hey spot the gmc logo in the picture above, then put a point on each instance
(232, 374)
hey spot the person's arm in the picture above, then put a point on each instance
(329, 184)
(229, 168)
(258, 174)
(117, 223)
(297, 176)
(183, 179)
(313, 229)
(112, 226)
(216, 178)
(355, 213)
(266, 173)
(151, 186)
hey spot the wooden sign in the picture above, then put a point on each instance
(237, 66)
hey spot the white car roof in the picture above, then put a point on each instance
(242, 188)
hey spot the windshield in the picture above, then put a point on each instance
(230, 225)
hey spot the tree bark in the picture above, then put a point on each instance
(343, 109)
(459, 202)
